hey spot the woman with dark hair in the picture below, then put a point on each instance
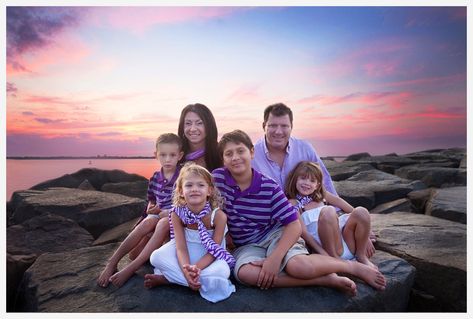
(198, 131)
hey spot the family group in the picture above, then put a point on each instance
(264, 214)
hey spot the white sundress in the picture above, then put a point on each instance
(311, 220)
(215, 283)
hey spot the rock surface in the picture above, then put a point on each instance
(448, 203)
(436, 247)
(95, 211)
(54, 284)
(96, 177)
(132, 189)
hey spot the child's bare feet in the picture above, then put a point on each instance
(152, 280)
(119, 278)
(105, 275)
(365, 260)
(370, 275)
(344, 284)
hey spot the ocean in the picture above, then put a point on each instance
(23, 174)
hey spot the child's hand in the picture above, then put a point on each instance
(268, 273)
(164, 213)
(153, 210)
(192, 274)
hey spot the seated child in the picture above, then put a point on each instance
(344, 237)
(266, 230)
(168, 152)
(196, 255)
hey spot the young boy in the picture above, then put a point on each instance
(265, 229)
(168, 153)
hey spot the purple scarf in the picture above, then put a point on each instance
(195, 155)
(189, 218)
(302, 201)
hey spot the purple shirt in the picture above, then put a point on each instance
(296, 151)
(160, 189)
(256, 211)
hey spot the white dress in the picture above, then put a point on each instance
(311, 218)
(214, 279)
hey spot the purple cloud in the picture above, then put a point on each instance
(11, 89)
(27, 113)
(48, 121)
(32, 28)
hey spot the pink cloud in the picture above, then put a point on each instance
(140, 19)
(381, 68)
(454, 78)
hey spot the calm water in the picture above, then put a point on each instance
(22, 174)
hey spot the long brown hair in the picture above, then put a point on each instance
(212, 159)
(306, 169)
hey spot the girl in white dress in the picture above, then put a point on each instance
(345, 237)
(196, 256)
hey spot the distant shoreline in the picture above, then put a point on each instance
(76, 157)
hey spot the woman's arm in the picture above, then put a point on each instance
(338, 202)
(220, 221)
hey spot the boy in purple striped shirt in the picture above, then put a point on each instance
(266, 230)
(169, 153)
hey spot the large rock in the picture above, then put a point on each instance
(46, 233)
(387, 163)
(116, 234)
(398, 205)
(436, 247)
(38, 235)
(96, 177)
(343, 170)
(372, 188)
(54, 284)
(357, 156)
(95, 211)
(419, 198)
(434, 176)
(132, 189)
(448, 203)
(438, 155)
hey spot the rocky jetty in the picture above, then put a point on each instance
(61, 233)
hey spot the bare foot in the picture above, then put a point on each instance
(119, 278)
(370, 275)
(152, 280)
(105, 275)
(365, 260)
(344, 284)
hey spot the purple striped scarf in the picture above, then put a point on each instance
(302, 201)
(189, 218)
(195, 155)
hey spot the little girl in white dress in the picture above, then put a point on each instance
(196, 256)
(323, 230)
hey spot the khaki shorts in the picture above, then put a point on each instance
(254, 252)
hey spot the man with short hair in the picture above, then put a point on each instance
(277, 153)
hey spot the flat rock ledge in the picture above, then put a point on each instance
(435, 247)
(66, 282)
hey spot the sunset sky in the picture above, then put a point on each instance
(86, 81)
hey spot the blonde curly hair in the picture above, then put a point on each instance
(189, 168)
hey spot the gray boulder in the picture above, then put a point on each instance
(398, 205)
(436, 247)
(419, 198)
(448, 203)
(36, 236)
(96, 178)
(357, 156)
(95, 211)
(434, 176)
(54, 284)
(86, 186)
(346, 169)
(132, 189)
(46, 233)
(372, 188)
(116, 234)
(387, 163)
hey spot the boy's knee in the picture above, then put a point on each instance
(247, 275)
(298, 266)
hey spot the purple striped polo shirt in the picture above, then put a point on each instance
(160, 189)
(255, 212)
